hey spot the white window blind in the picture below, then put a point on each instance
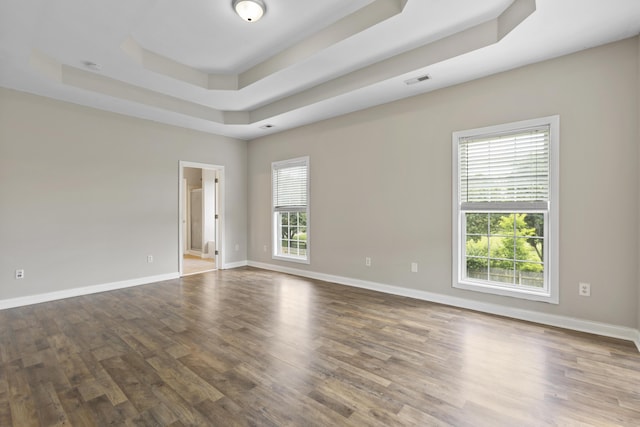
(290, 186)
(504, 169)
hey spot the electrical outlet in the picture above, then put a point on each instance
(264, 248)
(414, 267)
(584, 289)
(367, 261)
(20, 274)
(237, 247)
(150, 259)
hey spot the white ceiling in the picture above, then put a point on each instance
(196, 64)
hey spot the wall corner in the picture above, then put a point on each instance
(638, 185)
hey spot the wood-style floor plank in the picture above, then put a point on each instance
(248, 347)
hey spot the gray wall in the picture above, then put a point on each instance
(381, 181)
(86, 195)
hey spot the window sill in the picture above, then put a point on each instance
(291, 259)
(526, 294)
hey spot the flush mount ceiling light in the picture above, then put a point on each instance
(249, 10)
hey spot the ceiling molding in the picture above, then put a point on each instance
(306, 61)
(514, 15)
(466, 41)
(91, 81)
(358, 21)
(460, 43)
(168, 67)
(478, 37)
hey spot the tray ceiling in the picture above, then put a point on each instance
(196, 64)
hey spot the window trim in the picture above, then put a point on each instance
(551, 294)
(275, 246)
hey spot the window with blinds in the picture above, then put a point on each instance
(505, 209)
(290, 198)
(290, 186)
(509, 168)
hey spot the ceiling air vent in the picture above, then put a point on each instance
(417, 80)
(267, 126)
(93, 66)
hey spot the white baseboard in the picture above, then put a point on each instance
(69, 293)
(236, 264)
(566, 322)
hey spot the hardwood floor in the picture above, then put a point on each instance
(247, 347)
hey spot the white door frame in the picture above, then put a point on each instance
(219, 239)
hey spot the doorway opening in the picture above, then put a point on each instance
(200, 221)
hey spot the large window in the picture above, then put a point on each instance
(505, 238)
(290, 183)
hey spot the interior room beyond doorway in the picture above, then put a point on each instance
(192, 264)
(199, 220)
